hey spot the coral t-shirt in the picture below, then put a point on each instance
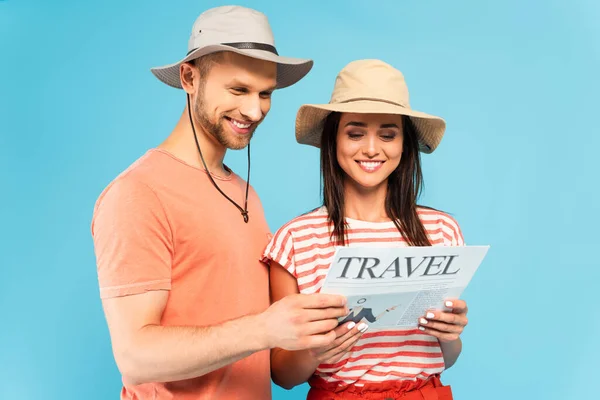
(162, 225)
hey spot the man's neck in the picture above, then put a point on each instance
(365, 204)
(182, 145)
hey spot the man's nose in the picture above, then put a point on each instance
(251, 109)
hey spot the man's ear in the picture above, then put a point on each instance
(189, 77)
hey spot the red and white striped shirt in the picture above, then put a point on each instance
(303, 247)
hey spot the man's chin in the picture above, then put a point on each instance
(238, 143)
(237, 146)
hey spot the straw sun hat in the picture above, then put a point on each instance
(368, 86)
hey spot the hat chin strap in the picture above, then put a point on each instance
(243, 211)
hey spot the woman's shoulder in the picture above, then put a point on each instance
(432, 215)
(310, 219)
(282, 243)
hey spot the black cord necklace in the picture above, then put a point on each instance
(244, 210)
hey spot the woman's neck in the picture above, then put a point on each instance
(365, 204)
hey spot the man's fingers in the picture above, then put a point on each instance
(319, 327)
(317, 314)
(322, 300)
(316, 341)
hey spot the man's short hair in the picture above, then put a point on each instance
(206, 62)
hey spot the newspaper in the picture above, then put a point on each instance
(393, 287)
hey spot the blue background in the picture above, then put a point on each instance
(516, 81)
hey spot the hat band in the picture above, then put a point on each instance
(248, 46)
(371, 99)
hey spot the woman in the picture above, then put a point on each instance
(370, 141)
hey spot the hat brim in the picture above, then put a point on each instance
(310, 121)
(289, 70)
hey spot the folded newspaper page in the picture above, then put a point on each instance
(393, 287)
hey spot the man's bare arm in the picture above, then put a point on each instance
(145, 351)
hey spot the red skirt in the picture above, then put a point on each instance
(430, 389)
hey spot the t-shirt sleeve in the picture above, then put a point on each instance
(456, 236)
(281, 250)
(132, 240)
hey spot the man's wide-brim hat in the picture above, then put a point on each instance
(369, 86)
(240, 30)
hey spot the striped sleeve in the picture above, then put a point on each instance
(456, 233)
(441, 228)
(281, 250)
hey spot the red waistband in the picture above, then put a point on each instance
(430, 389)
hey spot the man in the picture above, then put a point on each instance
(178, 235)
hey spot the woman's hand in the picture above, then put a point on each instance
(446, 325)
(346, 336)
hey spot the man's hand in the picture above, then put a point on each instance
(303, 321)
(446, 325)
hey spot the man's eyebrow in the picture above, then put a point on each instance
(237, 82)
(270, 89)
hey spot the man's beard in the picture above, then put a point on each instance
(234, 142)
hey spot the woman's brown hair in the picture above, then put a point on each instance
(404, 185)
